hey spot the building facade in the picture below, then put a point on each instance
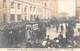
(0, 11)
(18, 10)
(4, 11)
(78, 8)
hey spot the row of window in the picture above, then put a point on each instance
(19, 6)
(19, 17)
(12, 17)
(12, 4)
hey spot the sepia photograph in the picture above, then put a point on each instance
(40, 24)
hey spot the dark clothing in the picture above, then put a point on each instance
(63, 42)
(57, 27)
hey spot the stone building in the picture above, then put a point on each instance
(18, 10)
(78, 8)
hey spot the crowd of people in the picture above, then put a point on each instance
(23, 34)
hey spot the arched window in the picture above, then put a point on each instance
(4, 18)
(19, 17)
(12, 17)
(34, 8)
(4, 0)
(12, 4)
(30, 7)
(25, 9)
(18, 5)
(4, 3)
